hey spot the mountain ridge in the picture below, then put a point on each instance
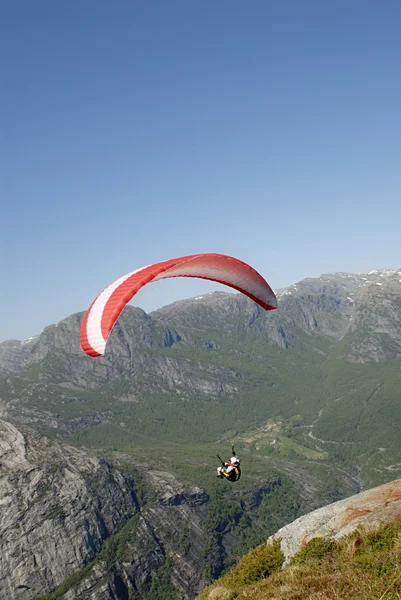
(217, 365)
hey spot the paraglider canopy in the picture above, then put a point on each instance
(105, 309)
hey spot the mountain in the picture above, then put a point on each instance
(325, 365)
(74, 525)
(309, 394)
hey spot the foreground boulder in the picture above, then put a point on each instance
(371, 507)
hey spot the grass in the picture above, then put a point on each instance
(365, 565)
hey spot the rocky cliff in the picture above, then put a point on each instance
(14, 355)
(57, 506)
(60, 507)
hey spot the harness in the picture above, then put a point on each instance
(233, 475)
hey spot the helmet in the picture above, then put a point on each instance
(234, 460)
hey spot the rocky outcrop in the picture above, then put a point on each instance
(57, 506)
(368, 508)
(374, 334)
(14, 356)
(60, 506)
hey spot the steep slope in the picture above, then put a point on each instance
(57, 506)
(67, 516)
(375, 331)
(347, 550)
(14, 355)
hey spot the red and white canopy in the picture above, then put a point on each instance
(104, 311)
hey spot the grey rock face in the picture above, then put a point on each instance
(14, 356)
(57, 506)
(368, 508)
(332, 306)
(375, 331)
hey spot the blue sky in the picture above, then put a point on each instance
(133, 132)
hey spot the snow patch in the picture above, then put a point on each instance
(30, 339)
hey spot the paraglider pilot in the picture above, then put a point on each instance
(229, 470)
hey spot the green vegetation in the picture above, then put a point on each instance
(364, 565)
(117, 549)
(256, 565)
(69, 583)
(347, 407)
(316, 549)
(161, 587)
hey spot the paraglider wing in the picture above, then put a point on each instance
(104, 311)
